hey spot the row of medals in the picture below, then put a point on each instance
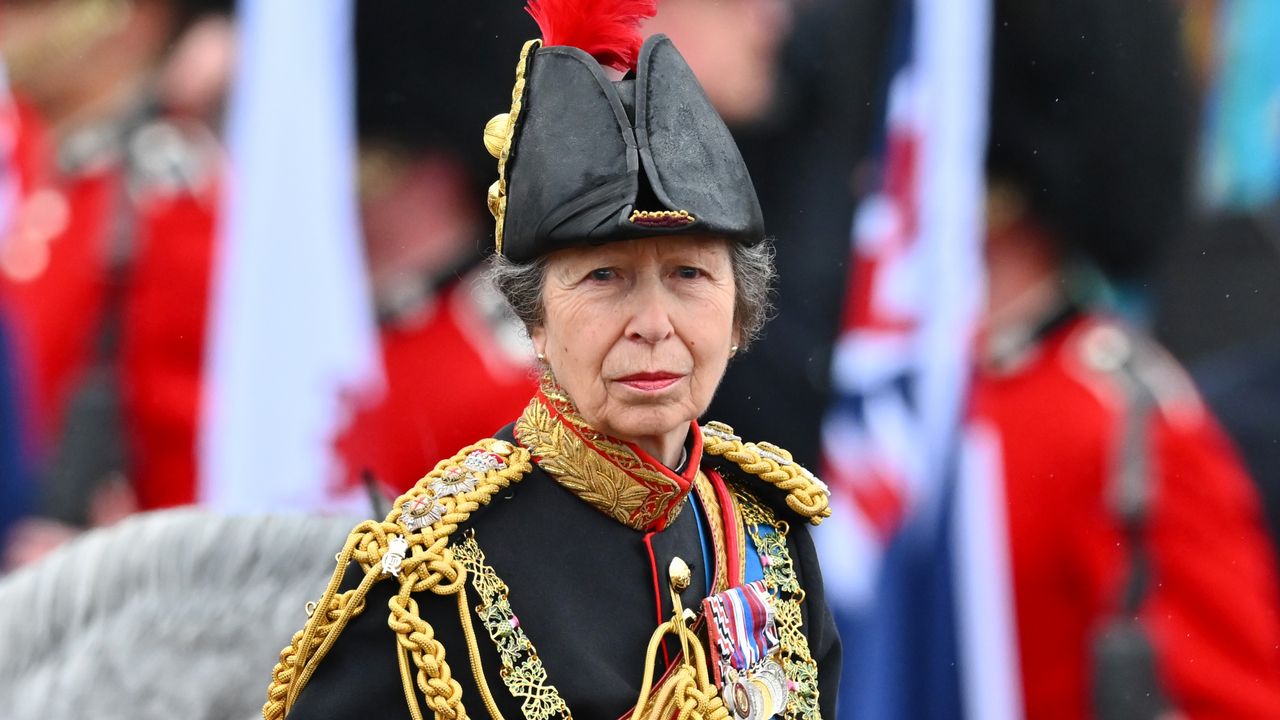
(757, 693)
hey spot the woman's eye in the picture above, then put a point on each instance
(688, 273)
(603, 274)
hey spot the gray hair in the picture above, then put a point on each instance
(753, 279)
(178, 613)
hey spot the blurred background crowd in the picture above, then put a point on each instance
(1132, 195)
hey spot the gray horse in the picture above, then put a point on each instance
(169, 614)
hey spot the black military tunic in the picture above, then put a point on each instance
(584, 588)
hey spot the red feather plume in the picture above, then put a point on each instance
(607, 30)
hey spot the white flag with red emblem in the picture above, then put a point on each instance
(293, 337)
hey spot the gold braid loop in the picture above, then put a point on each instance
(410, 545)
(416, 637)
(688, 693)
(282, 676)
(806, 495)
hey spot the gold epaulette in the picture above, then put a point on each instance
(412, 546)
(806, 495)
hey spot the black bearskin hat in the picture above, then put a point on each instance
(410, 91)
(1091, 120)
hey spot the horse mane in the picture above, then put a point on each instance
(177, 613)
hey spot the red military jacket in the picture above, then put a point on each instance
(454, 370)
(116, 233)
(1211, 608)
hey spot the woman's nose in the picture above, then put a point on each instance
(650, 316)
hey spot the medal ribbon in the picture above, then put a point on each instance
(741, 625)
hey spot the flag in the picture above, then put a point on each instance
(16, 491)
(10, 181)
(915, 558)
(1242, 126)
(292, 334)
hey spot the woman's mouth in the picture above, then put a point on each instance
(650, 381)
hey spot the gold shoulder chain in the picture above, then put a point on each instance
(780, 577)
(806, 494)
(522, 670)
(411, 546)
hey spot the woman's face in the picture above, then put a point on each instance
(638, 333)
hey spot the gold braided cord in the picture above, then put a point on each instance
(806, 495)
(406, 681)
(688, 692)
(415, 640)
(428, 564)
(676, 216)
(780, 577)
(347, 604)
(355, 602)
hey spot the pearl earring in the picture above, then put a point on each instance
(733, 351)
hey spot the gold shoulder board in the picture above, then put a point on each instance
(411, 546)
(807, 496)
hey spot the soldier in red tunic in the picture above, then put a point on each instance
(104, 269)
(456, 363)
(1143, 581)
(107, 271)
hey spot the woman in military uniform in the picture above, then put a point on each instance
(604, 555)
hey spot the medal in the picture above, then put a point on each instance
(744, 636)
(758, 693)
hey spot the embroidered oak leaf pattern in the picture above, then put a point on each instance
(522, 672)
(605, 474)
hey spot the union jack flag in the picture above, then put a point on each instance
(908, 555)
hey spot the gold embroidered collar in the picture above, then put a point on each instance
(614, 476)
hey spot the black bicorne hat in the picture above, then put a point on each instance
(586, 160)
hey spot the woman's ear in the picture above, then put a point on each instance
(538, 334)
